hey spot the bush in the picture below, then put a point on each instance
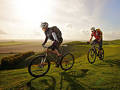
(11, 62)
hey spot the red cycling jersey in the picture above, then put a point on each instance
(97, 34)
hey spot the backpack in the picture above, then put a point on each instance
(99, 32)
(57, 31)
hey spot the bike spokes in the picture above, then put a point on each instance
(67, 61)
(39, 67)
(91, 56)
(101, 55)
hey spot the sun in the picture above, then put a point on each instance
(33, 10)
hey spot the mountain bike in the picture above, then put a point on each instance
(94, 52)
(40, 65)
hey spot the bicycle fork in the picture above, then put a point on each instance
(44, 59)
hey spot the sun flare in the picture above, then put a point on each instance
(33, 10)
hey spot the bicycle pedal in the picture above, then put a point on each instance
(98, 54)
(100, 58)
(57, 65)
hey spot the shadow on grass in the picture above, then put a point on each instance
(49, 82)
(113, 62)
(71, 79)
(43, 83)
(103, 64)
(109, 60)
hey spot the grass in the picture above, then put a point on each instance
(102, 75)
(11, 43)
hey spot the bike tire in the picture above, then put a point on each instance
(102, 58)
(89, 59)
(36, 61)
(63, 60)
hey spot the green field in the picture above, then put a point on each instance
(11, 43)
(102, 75)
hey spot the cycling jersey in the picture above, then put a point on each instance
(98, 38)
(52, 34)
(97, 34)
(99, 43)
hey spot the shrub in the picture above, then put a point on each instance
(11, 62)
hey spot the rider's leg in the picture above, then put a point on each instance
(55, 51)
(100, 47)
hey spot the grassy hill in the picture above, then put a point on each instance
(102, 75)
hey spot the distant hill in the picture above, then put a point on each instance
(117, 42)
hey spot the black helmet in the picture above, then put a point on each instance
(93, 28)
(44, 25)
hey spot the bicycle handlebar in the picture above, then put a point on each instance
(89, 43)
(93, 44)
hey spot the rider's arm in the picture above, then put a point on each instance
(55, 36)
(46, 39)
(100, 34)
(91, 37)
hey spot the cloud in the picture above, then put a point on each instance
(68, 25)
(81, 15)
(111, 35)
(2, 32)
(73, 17)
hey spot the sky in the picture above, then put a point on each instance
(20, 19)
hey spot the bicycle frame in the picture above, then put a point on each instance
(44, 59)
(95, 48)
(41, 61)
(46, 54)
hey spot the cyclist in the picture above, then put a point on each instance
(97, 33)
(55, 35)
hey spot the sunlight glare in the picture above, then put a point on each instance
(33, 10)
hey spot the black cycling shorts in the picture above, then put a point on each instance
(99, 43)
(56, 45)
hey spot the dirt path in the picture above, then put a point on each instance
(21, 48)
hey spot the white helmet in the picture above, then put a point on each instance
(93, 28)
(44, 25)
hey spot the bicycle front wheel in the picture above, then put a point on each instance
(39, 66)
(67, 61)
(91, 56)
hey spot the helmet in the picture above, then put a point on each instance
(93, 28)
(44, 25)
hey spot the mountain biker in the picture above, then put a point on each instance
(55, 35)
(97, 33)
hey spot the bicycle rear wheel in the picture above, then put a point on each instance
(67, 61)
(39, 66)
(91, 56)
(101, 56)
